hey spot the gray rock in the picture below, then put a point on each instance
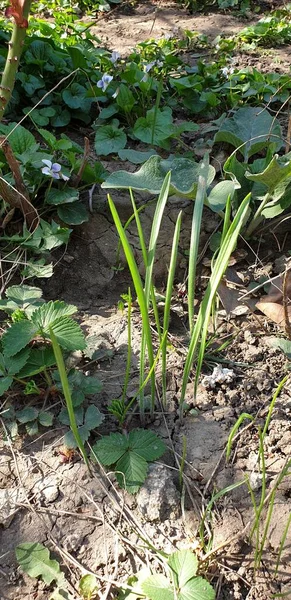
(158, 498)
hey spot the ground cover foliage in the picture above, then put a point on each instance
(165, 116)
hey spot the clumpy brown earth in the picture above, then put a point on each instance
(86, 521)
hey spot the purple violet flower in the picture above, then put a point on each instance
(115, 56)
(104, 82)
(53, 170)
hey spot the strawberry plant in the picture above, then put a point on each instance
(130, 455)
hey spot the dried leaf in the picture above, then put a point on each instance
(276, 289)
(273, 311)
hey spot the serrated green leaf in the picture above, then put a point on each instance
(68, 334)
(27, 414)
(39, 360)
(37, 268)
(196, 589)
(146, 444)
(47, 314)
(184, 564)
(111, 448)
(93, 417)
(32, 428)
(158, 587)
(88, 586)
(74, 213)
(14, 364)
(70, 440)
(65, 419)
(23, 294)
(131, 471)
(5, 383)
(17, 337)
(35, 560)
(91, 385)
(45, 418)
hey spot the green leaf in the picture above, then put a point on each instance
(252, 128)
(49, 138)
(150, 177)
(275, 175)
(27, 414)
(74, 95)
(133, 471)
(45, 418)
(184, 564)
(78, 58)
(17, 337)
(20, 139)
(23, 295)
(111, 448)
(88, 586)
(109, 139)
(50, 312)
(39, 360)
(93, 417)
(161, 123)
(197, 589)
(219, 194)
(136, 157)
(125, 98)
(158, 587)
(35, 560)
(37, 268)
(15, 363)
(61, 119)
(70, 440)
(282, 344)
(146, 444)
(31, 428)
(108, 112)
(69, 334)
(73, 214)
(65, 419)
(5, 383)
(64, 196)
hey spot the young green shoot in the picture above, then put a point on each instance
(199, 333)
(195, 236)
(67, 394)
